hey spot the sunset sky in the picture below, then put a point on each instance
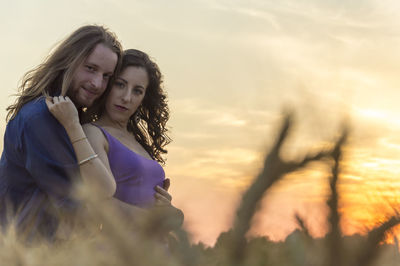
(230, 68)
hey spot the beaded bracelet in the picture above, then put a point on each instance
(88, 159)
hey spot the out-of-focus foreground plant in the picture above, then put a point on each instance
(106, 237)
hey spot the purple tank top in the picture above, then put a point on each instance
(136, 176)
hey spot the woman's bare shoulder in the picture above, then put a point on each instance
(98, 141)
(93, 132)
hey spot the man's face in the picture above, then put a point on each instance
(91, 77)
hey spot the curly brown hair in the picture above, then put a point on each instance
(150, 131)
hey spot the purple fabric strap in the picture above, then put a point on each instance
(135, 175)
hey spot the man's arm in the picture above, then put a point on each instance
(49, 158)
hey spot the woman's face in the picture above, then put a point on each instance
(127, 93)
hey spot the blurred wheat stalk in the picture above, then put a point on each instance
(105, 237)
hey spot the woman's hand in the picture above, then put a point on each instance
(64, 110)
(162, 196)
(169, 217)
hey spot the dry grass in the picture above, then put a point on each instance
(120, 241)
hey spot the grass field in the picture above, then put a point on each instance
(105, 237)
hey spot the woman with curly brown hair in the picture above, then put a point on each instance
(127, 132)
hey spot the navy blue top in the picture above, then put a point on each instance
(37, 167)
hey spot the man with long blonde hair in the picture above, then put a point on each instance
(38, 164)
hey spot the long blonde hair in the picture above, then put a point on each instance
(59, 67)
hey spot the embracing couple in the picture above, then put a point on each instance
(90, 113)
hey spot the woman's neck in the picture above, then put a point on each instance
(105, 120)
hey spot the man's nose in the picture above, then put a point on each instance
(96, 81)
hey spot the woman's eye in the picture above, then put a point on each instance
(90, 68)
(138, 91)
(119, 84)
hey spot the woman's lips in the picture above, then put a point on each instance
(121, 108)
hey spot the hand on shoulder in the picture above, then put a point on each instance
(64, 110)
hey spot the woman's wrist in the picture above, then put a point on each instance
(75, 133)
(73, 125)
